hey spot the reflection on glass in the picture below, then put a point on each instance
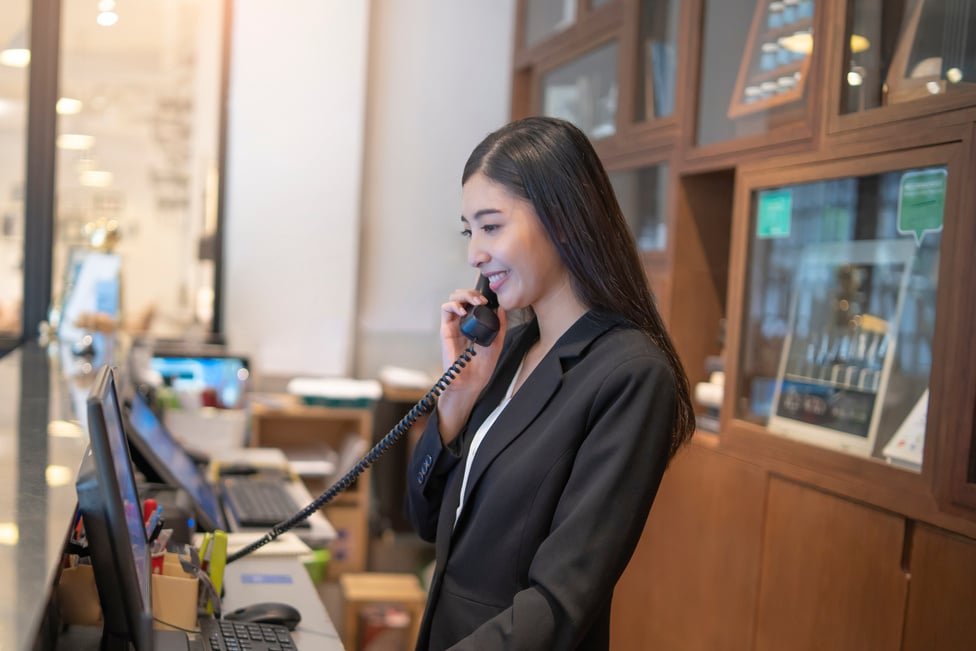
(657, 59)
(758, 90)
(137, 155)
(544, 18)
(14, 18)
(904, 50)
(643, 200)
(840, 312)
(584, 91)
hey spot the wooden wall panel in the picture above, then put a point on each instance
(942, 595)
(831, 574)
(692, 583)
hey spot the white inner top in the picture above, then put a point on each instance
(480, 436)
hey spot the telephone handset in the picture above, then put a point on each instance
(480, 325)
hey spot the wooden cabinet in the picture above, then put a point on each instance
(693, 581)
(310, 432)
(760, 540)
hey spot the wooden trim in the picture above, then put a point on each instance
(958, 436)
(737, 108)
(692, 26)
(569, 42)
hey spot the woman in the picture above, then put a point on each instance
(537, 470)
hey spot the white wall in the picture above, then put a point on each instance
(343, 181)
(294, 168)
(440, 78)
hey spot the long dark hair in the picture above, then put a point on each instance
(552, 164)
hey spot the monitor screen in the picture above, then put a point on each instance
(150, 439)
(112, 516)
(222, 377)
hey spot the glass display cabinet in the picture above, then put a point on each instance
(796, 174)
(755, 62)
(839, 312)
(907, 50)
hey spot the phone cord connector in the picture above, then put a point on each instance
(424, 406)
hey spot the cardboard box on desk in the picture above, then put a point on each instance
(348, 552)
(174, 596)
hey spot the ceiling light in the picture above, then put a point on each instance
(58, 475)
(107, 18)
(16, 54)
(64, 429)
(9, 533)
(859, 43)
(75, 141)
(96, 178)
(69, 106)
(954, 75)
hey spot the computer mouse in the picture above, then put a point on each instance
(268, 612)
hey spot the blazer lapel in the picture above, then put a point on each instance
(534, 394)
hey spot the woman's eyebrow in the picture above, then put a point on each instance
(481, 213)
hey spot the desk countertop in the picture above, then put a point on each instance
(41, 446)
(257, 579)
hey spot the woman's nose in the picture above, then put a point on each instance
(476, 254)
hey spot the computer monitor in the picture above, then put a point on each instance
(156, 446)
(224, 375)
(112, 515)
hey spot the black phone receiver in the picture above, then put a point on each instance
(480, 324)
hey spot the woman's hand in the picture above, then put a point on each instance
(455, 404)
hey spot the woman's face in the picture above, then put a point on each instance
(508, 244)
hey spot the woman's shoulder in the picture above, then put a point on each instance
(627, 346)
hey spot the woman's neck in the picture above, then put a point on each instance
(555, 315)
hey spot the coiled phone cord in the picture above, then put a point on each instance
(424, 406)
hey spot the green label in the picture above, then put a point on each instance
(921, 203)
(775, 209)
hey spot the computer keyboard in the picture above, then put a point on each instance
(222, 635)
(257, 502)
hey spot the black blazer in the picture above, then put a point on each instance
(557, 496)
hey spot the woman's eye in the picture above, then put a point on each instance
(466, 233)
(488, 228)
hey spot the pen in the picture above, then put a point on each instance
(148, 508)
(152, 521)
(156, 529)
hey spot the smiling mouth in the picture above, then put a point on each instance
(494, 279)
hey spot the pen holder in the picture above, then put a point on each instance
(174, 596)
(78, 597)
